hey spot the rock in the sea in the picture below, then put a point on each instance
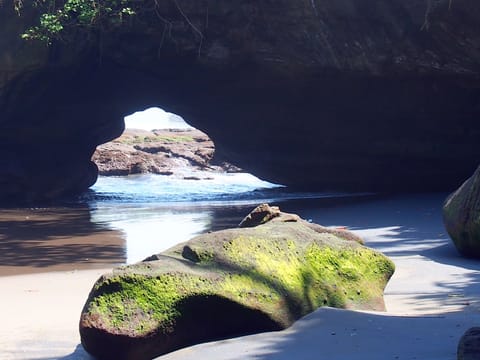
(228, 283)
(461, 215)
(469, 345)
(163, 152)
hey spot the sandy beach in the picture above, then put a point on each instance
(431, 300)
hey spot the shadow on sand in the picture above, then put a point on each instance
(434, 277)
(333, 334)
(42, 238)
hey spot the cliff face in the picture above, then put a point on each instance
(338, 94)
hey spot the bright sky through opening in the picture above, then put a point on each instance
(155, 118)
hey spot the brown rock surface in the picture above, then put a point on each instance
(163, 152)
(469, 345)
(461, 215)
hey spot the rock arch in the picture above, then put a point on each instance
(351, 96)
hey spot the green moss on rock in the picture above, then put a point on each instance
(139, 304)
(229, 283)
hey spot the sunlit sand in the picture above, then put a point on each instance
(431, 300)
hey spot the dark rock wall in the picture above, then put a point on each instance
(343, 95)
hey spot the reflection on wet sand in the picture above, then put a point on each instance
(107, 234)
(104, 235)
(150, 230)
(54, 239)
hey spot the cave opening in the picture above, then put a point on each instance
(158, 142)
(155, 142)
(160, 184)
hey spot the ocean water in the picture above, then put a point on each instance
(204, 188)
(155, 212)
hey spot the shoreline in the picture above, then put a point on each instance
(431, 300)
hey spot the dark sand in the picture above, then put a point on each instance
(56, 239)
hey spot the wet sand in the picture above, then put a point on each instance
(431, 300)
(56, 239)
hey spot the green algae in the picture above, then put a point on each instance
(285, 271)
(312, 277)
(357, 275)
(140, 304)
(245, 288)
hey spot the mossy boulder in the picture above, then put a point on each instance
(228, 283)
(461, 215)
(469, 345)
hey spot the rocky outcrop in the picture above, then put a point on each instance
(353, 95)
(163, 152)
(469, 345)
(228, 283)
(461, 215)
(262, 214)
(265, 213)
